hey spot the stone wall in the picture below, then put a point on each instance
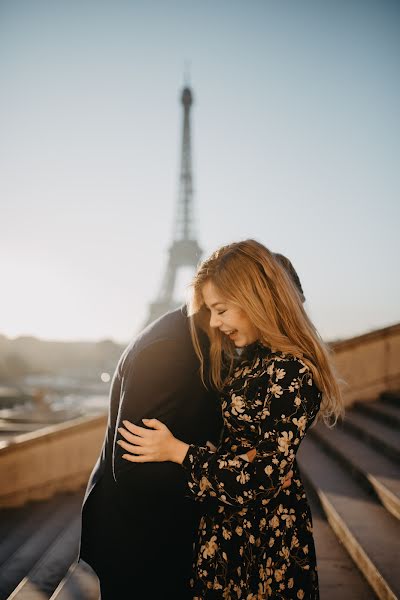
(369, 364)
(61, 457)
(35, 465)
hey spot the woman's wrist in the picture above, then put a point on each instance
(178, 451)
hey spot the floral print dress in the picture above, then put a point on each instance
(255, 539)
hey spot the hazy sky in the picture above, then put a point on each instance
(296, 139)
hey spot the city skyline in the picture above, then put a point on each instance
(295, 143)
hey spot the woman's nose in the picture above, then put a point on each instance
(215, 321)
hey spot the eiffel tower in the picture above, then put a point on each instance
(185, 250)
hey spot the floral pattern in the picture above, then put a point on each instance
(255, 539)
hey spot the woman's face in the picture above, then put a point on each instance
(229, 318)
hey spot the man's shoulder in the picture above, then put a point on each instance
(172, 325)
(171, 329)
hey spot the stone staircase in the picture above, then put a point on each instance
(354, 470)
(352, 477)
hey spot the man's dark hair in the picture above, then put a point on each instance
(287, 265)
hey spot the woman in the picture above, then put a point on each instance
(255, 540)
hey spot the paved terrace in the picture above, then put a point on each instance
(352, 475)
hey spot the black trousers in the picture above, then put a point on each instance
(154, 563)
(127, 589)
(138, 553)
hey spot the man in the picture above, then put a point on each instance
(138, 524)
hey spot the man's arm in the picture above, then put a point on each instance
(150, 382)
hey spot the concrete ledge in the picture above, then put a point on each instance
(377, 334)
(58, 458)
(368, 364)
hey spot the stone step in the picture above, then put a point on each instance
(377, 434)
(374, 470)
(369, 533)
(80, 583)
(392, 397)
(18, 524)
(381, 411)
(46, 575)
(338, 575)
(11, 519)
(32, 548)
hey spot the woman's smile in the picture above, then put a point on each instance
(230, 319)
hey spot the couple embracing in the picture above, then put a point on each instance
(196, 493)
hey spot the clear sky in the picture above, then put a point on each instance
(296, 137)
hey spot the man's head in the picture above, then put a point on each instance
(286, 264)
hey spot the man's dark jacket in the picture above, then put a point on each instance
(138, 521)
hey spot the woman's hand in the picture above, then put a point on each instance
(151, 445)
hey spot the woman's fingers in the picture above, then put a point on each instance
(133, 439)
(153, 423)
(136, 459)
(136, 430)
(131, 447)
(144, 431)
(156, 444)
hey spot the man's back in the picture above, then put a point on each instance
(137, 522)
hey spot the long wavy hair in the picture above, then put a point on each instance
(250, 276)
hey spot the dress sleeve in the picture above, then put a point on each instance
(291, 402)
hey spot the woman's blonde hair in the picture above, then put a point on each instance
(249, 275)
